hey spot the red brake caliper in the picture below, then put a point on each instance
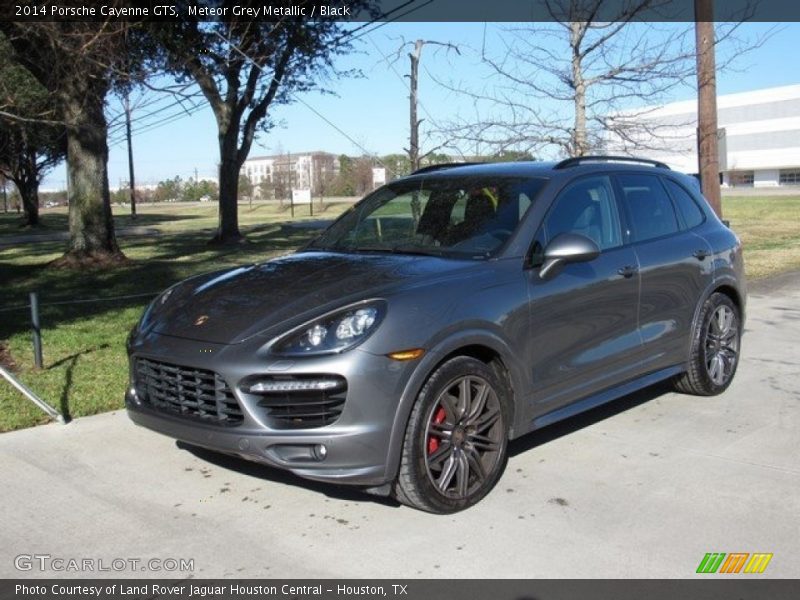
(438, 418)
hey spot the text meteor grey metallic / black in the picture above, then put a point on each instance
(443, 315)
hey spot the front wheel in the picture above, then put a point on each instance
(714, 354)
(454, 449)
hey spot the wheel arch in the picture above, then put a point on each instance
(725, 286)
(481, 345)
(731, 292)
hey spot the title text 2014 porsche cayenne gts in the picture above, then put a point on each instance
(443, 315)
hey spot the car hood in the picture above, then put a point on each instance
(230, 306)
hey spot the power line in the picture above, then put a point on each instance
(345, 38)
(351, 32)
(147, 127)
(311, 108)
(178, 100)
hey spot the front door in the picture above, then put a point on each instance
(584, 324)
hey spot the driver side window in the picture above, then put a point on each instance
(586, 207)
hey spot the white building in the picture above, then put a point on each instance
(759, 136)
(286, 172)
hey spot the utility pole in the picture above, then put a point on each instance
(707, 135)
(131, 183)
(291, 182)
(311, 185)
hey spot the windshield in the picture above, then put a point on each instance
(465, 217)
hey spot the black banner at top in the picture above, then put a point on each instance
(397, 10)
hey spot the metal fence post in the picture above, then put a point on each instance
(37, 332)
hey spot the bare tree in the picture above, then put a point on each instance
(414, 57)
(324, 171)
(565, 87)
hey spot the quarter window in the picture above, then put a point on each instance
(692, 215)
(650, 211)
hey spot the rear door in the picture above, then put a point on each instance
(674, 266)
(584, 333)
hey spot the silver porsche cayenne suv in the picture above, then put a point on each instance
(443, 315)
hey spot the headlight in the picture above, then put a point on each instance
(335, 332)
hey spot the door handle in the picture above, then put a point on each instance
(627, 271)
(701, 254)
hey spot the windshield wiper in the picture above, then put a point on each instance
(418, 250)
(381, 249)
(397, 249)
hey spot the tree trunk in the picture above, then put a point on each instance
(29, 191)
(91, 225)
(413, 142)
(228, 231)
(27, 183)
(579, 136)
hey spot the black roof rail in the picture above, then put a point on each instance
(442, 166)
(577, 160)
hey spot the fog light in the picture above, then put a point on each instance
(320, 452)
(133, 396)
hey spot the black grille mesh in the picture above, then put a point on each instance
(303, 409)
(186, 391)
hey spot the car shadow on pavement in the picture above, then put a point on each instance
(267, 473)
(590, 417)
(350, 493)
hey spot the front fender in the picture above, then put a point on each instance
(434, 356)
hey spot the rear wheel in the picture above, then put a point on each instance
(715, 349)
(455, 445)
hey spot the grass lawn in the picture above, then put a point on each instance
(770, 231)
(85, 369)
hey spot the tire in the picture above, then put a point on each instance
(455, 447)
(716, 345)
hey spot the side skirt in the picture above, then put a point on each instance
(603, 397)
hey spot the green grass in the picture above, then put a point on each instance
(49, 220)
(85, 369)
(769, 228)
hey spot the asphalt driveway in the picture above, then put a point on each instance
(642, 488)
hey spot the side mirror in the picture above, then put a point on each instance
(567, 248)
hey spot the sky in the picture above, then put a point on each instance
(372, 110)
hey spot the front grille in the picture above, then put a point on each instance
(301, 409)
(186, 391)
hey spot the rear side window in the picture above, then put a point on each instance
(691, 213)
(649, 209)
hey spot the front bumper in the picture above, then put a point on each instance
(353, 450)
